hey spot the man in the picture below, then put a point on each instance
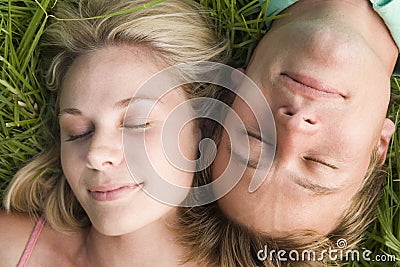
(325, 71)
(327, 80)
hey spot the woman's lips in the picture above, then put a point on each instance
(309, 86)
(112, 192)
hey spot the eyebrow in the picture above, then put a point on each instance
(71, 111)
(118, 105)
(251, 163)
(315, 188)
(307, 184)
(123, 103)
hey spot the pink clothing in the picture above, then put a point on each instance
(31, 242)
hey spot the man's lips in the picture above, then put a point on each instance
(310, 86)
(112, 191)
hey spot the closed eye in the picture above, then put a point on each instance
(79, 136)
(322, 162)
(137, 126)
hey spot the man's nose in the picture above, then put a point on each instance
(105, 150)
(297, 121)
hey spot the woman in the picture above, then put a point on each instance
(79, 192)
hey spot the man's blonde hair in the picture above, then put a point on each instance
(175, 31)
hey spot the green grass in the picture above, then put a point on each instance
(23, 98)
(25, 105)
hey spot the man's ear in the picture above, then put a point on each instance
(387, 132)
(236, 77)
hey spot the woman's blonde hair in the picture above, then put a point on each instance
(175, 31)
(212, 238)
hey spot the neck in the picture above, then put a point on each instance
(151, 245)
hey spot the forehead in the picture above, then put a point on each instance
(107, 74)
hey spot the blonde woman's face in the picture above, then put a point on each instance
(328, 89)
(95, 93)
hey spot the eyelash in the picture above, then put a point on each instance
(138, 126)
(320, 162)
(79, 136)
(86, 134)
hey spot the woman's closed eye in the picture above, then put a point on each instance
(79, 136)
(136, 126)
(83, 135)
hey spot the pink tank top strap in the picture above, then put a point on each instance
(31, 242)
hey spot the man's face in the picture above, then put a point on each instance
(326, 78)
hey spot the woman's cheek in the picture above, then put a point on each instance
(73, 159)
(167, 166)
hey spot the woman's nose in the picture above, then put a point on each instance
(105, 151)
(297, 121)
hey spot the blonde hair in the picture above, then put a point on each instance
(212, 238)
(176, 31)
